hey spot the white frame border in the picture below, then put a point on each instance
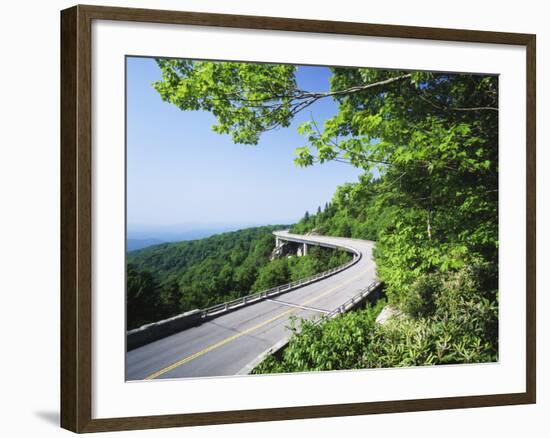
(112, 397)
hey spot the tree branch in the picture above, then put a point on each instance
(451, 108)
(307, 96)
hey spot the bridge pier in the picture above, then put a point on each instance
(302, 249)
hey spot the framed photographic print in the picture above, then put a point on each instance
(304, 218)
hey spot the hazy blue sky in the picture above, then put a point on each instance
(180, 173)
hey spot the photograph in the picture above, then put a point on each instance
(285, 218)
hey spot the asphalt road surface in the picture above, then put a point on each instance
(226, 344)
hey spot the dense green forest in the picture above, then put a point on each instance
(171, 278)
(428, 145)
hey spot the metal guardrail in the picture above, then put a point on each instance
(257, 296)
(351, 302)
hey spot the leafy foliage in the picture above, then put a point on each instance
(352, 212)
(144, 302)
(293, 268)
(240, 95)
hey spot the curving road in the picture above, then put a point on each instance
(228, 344)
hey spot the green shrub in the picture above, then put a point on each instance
(333, 345)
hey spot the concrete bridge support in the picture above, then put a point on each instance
(285, 247)
(302, 249)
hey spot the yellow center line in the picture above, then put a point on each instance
(245, 332)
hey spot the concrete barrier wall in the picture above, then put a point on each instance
(157, 330)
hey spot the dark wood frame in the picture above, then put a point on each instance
(76, 219)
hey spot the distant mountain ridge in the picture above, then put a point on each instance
(133, 244)
(139, 238)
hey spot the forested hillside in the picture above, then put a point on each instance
(352, 212)
(172, 278)
(428, 144)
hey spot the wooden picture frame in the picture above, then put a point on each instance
(76, 217)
